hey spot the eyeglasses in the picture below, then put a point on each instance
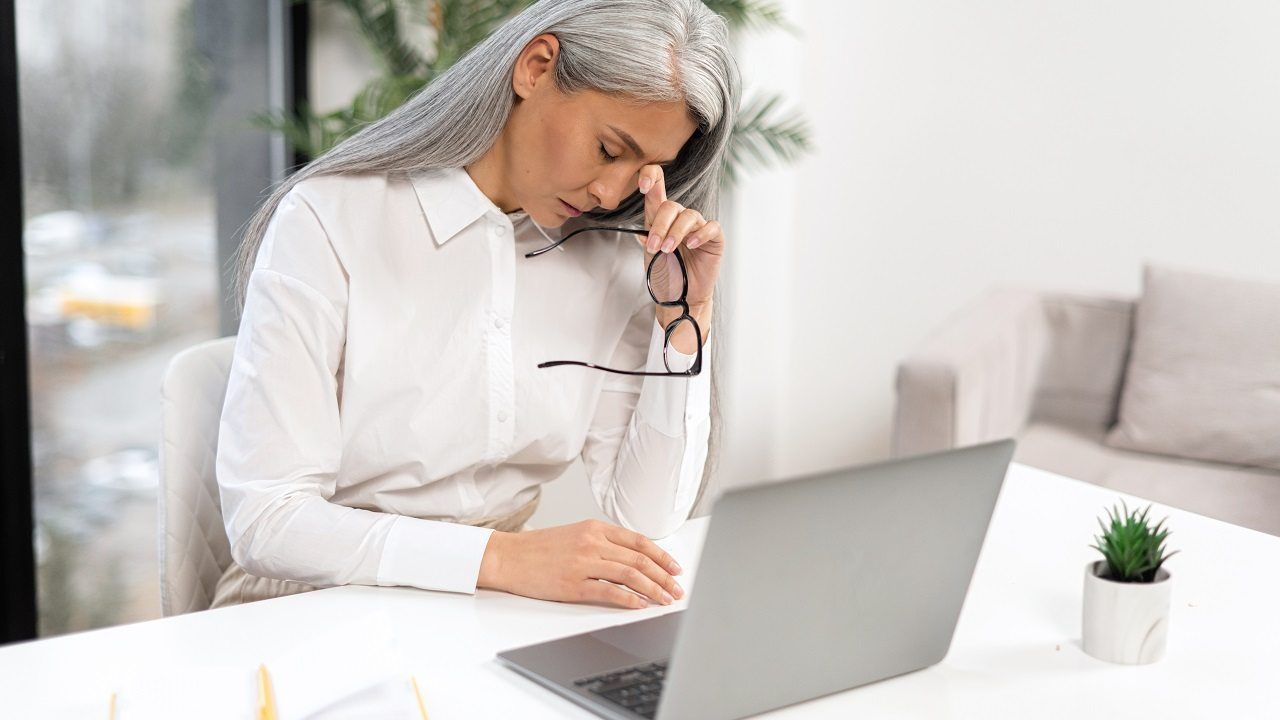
(658, 277)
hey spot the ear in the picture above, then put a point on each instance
(534, 64)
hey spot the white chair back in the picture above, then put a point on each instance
(194, 550)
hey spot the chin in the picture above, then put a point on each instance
(549, 220)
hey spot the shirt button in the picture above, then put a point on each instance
(501, 230)
(499, 323)
(502, 416)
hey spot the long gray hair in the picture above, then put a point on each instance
(645, 50)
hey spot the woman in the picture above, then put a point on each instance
(386, 420)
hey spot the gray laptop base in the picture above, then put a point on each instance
(805, 587)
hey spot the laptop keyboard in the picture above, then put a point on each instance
(636, 688)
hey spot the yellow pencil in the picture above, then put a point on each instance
(422, 707)
(266, 699)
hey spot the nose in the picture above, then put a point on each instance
(609, 190)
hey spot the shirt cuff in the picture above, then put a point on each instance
(670, 405)
(433, 555)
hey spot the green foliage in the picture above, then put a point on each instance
(763, 135)
(749, 14)
(1133, 550)
(760, 137)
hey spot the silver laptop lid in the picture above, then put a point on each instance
(813, 586)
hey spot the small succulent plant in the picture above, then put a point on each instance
(1134, 550)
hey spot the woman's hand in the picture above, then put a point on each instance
(568, 563)
(671, 225)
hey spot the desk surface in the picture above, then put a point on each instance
(1016, 651)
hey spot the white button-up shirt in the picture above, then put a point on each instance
(385, 388)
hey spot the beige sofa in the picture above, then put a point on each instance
(1047, 369)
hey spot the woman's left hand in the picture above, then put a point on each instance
(701, 243)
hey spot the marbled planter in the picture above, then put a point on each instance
(1125, 622)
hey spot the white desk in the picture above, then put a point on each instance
(1016, 651)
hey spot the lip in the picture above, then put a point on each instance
(573, 211)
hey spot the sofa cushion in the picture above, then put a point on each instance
(1243, 496)
(1084, 364)
(1203, 379)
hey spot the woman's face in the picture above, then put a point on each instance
(563, 154)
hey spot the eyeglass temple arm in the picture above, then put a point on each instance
(695, 370)
(558, 243)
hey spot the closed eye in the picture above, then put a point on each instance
(604, 154)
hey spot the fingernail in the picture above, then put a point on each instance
(655, 240)
(670, 244)
(675, 568)
(679, 591)
(666, 598)
(691, 242)
(645, 184)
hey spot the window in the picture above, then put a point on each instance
(139, 164)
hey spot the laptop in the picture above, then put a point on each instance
(804, 588)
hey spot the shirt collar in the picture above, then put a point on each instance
(451, 201)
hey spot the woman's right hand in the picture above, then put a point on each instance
(568, 563)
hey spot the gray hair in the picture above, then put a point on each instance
(610, 46)
(645, 50)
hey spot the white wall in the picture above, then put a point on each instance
(963, 145)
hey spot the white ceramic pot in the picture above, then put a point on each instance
(1125, 622)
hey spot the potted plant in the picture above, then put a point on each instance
(1126, 594)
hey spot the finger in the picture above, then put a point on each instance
(651, 176)
(632, 578)
(653, 185)
(603, 592)
(636, 541)
(661, 224)
(687, 221)
(711, 233)
(646, 565)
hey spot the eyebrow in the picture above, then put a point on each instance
(635, 147)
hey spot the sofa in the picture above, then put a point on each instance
(1048, 370)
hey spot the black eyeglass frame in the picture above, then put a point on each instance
(682, 302)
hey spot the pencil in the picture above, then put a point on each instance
(422, 707)
(266, 699)
(111, 709)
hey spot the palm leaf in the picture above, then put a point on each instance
(379, 23)
(750, 14)
(764, 136)
(462, 24)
